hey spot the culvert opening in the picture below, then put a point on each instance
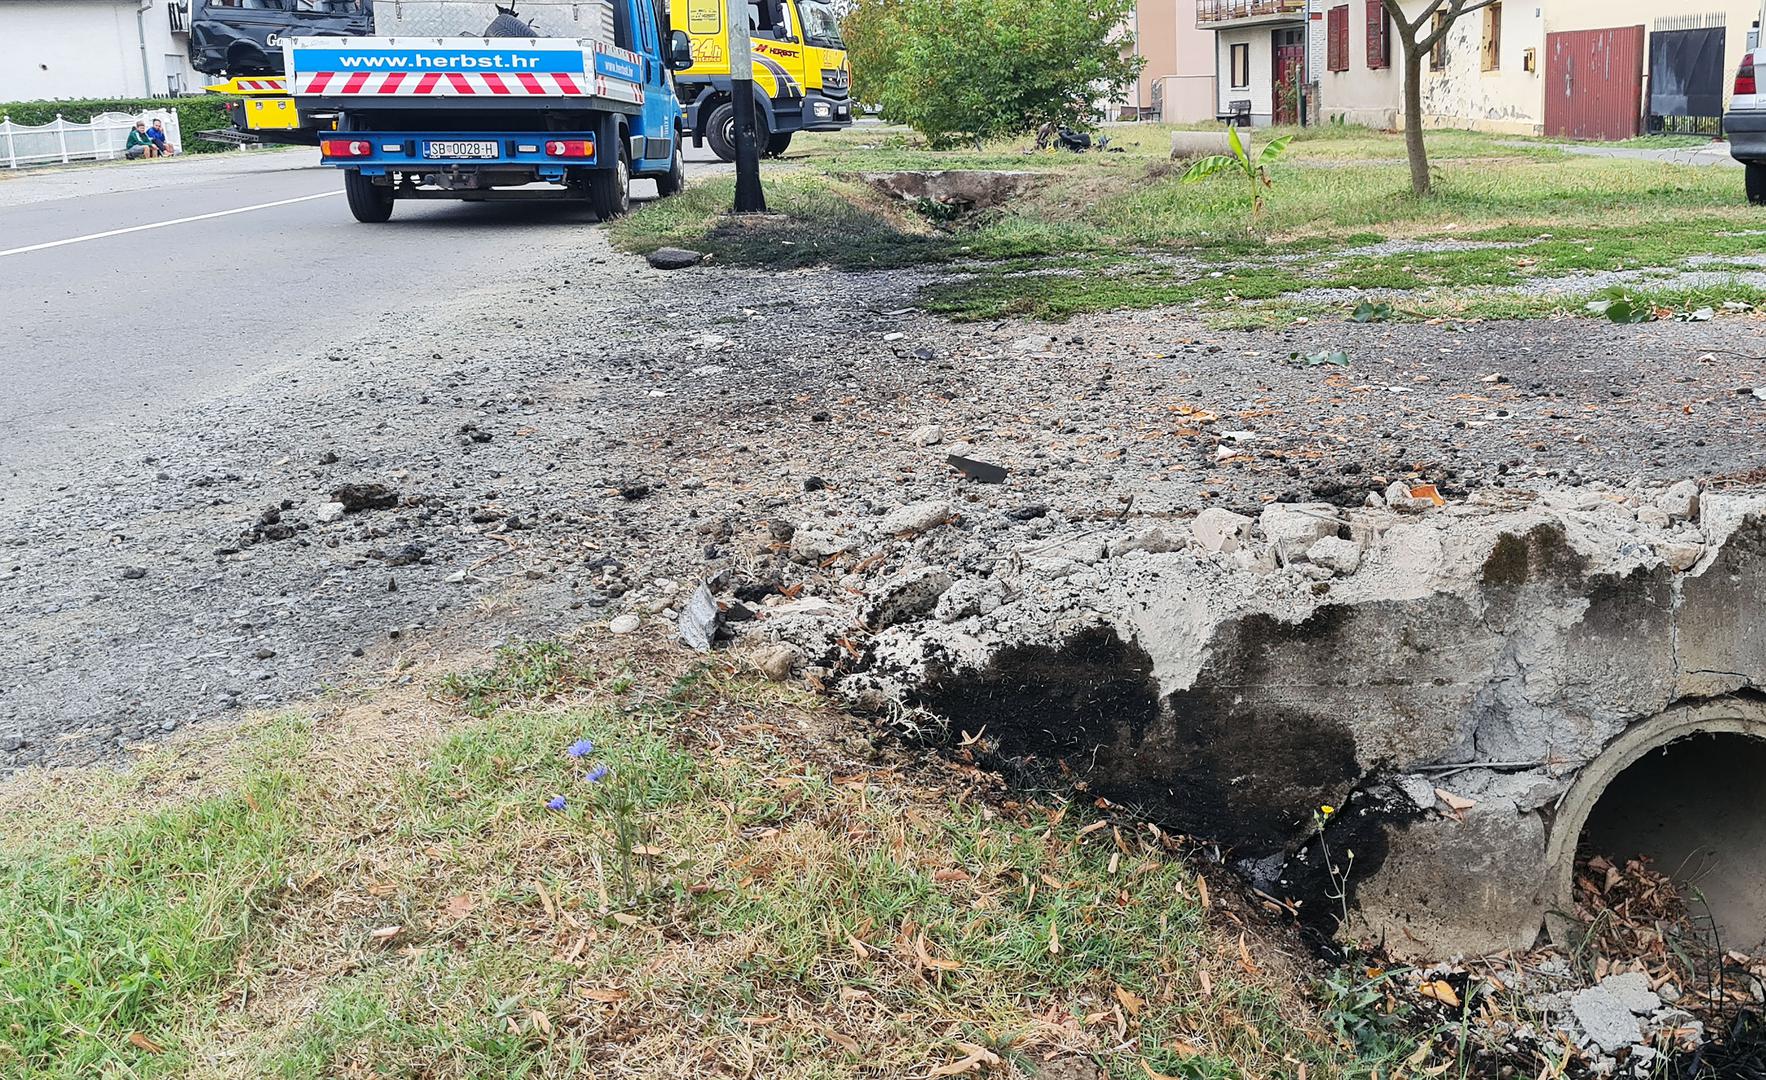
(1695, 809)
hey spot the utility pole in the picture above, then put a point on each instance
(749, 197)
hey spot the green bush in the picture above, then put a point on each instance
(198, 112)
(985, 69)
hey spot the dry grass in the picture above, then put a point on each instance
(802, 904)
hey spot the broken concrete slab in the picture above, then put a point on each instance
(1634, 990)
(916, 518)
(1605, 1019)
(910, 594)
(1154, 538)
(964, 190)
(1510, 644)
(1336, 555)
(1291, 529)
(1221, 530)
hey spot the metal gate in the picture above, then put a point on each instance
(1594, 83)
(1686, 75)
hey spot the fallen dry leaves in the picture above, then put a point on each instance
(976, 1057)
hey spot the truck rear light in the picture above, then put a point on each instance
(346, 148)
(1745, 82)
(571, 148)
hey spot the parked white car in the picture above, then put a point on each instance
(1745, 123)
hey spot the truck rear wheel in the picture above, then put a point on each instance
(369, 202)
(671, 182)
(610, 190)
(1756, 181)
(720, 131)
(776, 145)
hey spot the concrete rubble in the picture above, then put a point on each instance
(1438, 676)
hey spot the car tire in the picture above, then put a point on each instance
(371, 203)
(776, 145)
(610, 190)
(674, 180)
(720, 131)
(1756, 181)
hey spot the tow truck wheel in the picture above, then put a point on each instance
(776, 145)
(610, 190)
(671, 182)
(720, 131)
(369, 202)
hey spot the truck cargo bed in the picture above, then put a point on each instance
(465, 72)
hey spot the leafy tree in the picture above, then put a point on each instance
(1419, 36)
(872, 30)
(979, 69)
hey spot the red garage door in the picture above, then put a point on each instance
(1594, 83)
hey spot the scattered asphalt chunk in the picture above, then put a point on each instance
(981, 472)
(134, 573)
(673, 258)
(358, 497)
(634, 492)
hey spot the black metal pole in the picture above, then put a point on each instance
(750, 199)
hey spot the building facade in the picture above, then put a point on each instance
(1176, 84)
(52, 49)
(1585, 69)
(1260, 58)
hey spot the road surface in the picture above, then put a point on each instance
(134, 288)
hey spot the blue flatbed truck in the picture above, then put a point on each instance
(568, 101)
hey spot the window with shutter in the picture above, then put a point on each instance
(1492, 51)
(1379, 35)
(1337, 46)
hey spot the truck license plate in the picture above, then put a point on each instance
(459, 149)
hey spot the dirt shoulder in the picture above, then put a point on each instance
(569, 448)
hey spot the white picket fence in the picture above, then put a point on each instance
(100, 139)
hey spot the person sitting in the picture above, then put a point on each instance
(140, 144)
(158, 134)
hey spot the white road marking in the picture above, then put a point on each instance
(165, 224)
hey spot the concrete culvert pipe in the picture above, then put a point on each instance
(1685, 791)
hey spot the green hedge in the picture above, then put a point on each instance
(200, 112)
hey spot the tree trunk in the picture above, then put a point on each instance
(1414, 147)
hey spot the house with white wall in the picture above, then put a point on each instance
(53, 49)
(1260, 62)
(1592, 69)
(1176, 83)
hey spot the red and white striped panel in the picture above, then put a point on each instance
(444, 84)
(269, 86)
(618, 90)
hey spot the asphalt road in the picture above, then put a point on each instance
(134, 288)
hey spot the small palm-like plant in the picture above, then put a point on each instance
(1255, 171)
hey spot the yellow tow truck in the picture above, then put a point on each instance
(262, 111)
(802, 77)
(240, 41)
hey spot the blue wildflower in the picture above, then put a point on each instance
(556, 803)
(581, 748)
(597, 774)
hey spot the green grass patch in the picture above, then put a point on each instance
(1506, 211)
(378, 890)
(133, 930)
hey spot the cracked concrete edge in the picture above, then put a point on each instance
(1505, 648)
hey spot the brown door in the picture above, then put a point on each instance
(1594, 83)
(1289, 49)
